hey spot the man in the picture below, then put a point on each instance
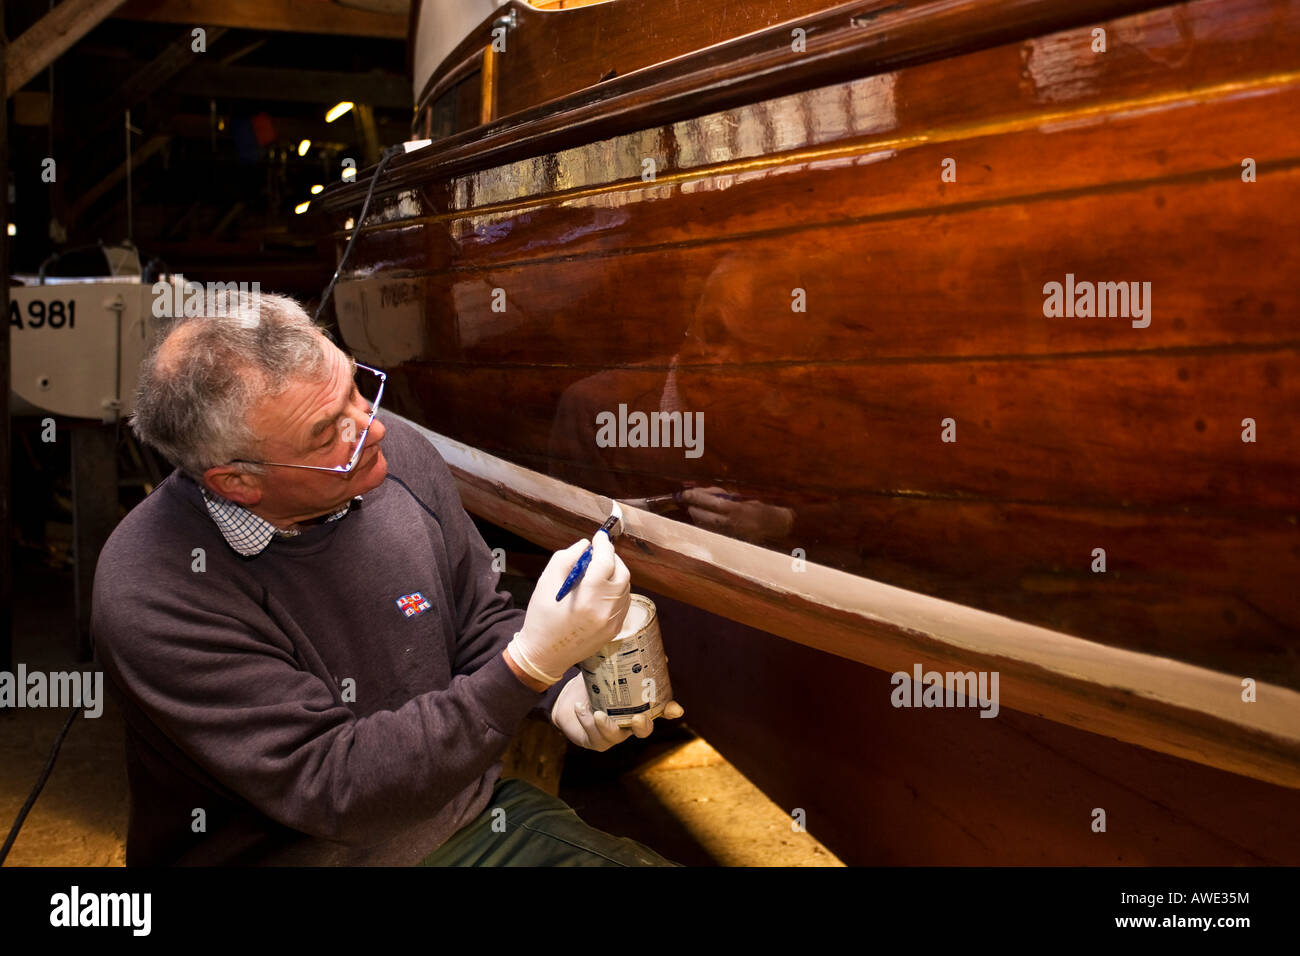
(314, 661)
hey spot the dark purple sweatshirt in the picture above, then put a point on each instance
(236, 680)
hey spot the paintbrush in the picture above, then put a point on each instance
(663, 503)
(612, 527)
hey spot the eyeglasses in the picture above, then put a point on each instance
(370, 386)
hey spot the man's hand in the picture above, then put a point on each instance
(558, 634)
(597, 731)
(751, 520)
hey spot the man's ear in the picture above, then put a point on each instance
(234, 485)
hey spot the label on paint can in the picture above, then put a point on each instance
(629, 675)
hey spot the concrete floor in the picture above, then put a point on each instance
(672, 791)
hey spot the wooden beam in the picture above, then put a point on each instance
(138, 156)
(294, 16)
(231, 215)
(51, 35)
(94, 514)
(242, 52)
(1158, 703)
(173, 228)
(142, 84)
(151, 77)
(385, 90)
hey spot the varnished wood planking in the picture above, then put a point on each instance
(1206, 590)
(1171, 52)
(756, 67)
(883, 179)
(970, 282)
(971, 285)
(1214, 104)
(1124, 431)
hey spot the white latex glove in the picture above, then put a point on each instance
(597, 731)
(558, 634)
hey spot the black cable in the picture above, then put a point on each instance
(389, 153)
(40, 785)
(54, 257)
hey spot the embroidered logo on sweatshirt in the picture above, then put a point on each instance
(412, 604)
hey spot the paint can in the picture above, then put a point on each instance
(629, 675)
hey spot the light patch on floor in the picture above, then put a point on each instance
(730, 817)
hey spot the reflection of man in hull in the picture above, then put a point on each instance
(724, 333)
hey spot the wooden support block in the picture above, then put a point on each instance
(94, 515)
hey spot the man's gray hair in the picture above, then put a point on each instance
(201, 380)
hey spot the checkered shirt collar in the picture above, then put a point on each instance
(247, 533)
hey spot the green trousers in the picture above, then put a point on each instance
(523, 826)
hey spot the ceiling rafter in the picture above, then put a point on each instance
(294, 16)
(49, 37)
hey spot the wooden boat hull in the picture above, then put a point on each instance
(799, 271)
(1150, 736)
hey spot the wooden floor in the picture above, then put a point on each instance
(80, 817)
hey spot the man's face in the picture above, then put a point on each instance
(308, 424)
(722, 328)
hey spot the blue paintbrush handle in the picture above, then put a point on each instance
(580, 568)
(576, 574)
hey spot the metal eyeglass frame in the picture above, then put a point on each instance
(361, 442)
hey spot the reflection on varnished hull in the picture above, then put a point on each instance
(861, 345)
